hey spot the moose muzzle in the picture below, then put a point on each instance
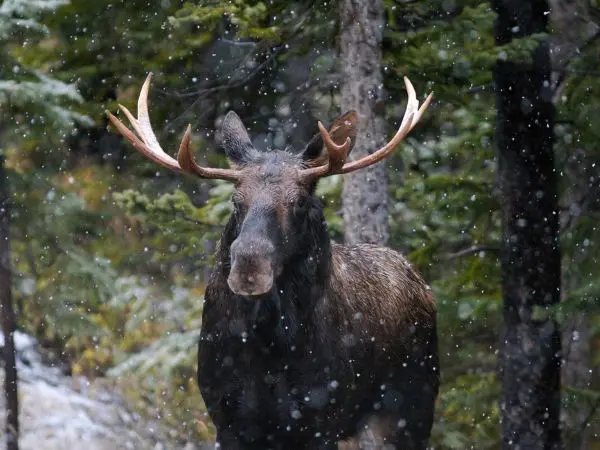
(252, 271)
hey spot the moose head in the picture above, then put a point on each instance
(276, 217)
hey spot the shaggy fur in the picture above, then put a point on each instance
(346, 337)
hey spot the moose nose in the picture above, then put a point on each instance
(246, 284)
(256, 282)
(251, 269)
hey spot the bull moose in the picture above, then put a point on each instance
(305, 342)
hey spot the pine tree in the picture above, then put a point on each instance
(25, 90)
(530, 259)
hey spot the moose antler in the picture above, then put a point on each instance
(145, 141)
(337, 153)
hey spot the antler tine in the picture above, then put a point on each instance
(145, 127)
(412, 116)
(159, 159)
(184, 157)
(336, 156)
(421, 110)
(412, 105)
(147, 143)
(338, 153)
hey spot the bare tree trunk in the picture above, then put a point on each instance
(574, 29)
(8, 318)
(530, 259)
(365, 191)
(364, 197)
(576, 373)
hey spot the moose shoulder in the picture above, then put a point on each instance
(304, 343)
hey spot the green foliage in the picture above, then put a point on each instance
(155, 358)
(29, 95)
(17, 15)
(470, 412)
(44, 94)
(110, 252)
(250, 19)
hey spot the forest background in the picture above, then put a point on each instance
(110, 254)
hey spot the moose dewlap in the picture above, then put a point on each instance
(305, 343)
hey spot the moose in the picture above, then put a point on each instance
(305, 343)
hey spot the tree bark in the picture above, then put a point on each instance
(574, 30)
(530, 257)
(8, 318)
(365, 191)
(576, 373)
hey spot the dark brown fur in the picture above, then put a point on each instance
(345, 337)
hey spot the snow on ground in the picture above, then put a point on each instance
(63, 413)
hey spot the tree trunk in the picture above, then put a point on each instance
(530, 260)
(8, 318)
(576, 373)
(574, 30)
(365, 191)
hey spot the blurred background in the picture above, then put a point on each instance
(110, 254)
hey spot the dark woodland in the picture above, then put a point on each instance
(280, 285)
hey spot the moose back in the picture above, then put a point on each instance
(305, 343)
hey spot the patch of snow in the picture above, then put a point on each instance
(29, 7)
(58, 412)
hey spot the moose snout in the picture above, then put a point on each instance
(251, 269)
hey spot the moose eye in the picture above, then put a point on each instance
(300, 205)
(237, 203)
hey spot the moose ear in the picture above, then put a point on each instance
(315, 153)
(234, 140)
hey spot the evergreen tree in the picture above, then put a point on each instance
(530, 259)
(26, 90)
